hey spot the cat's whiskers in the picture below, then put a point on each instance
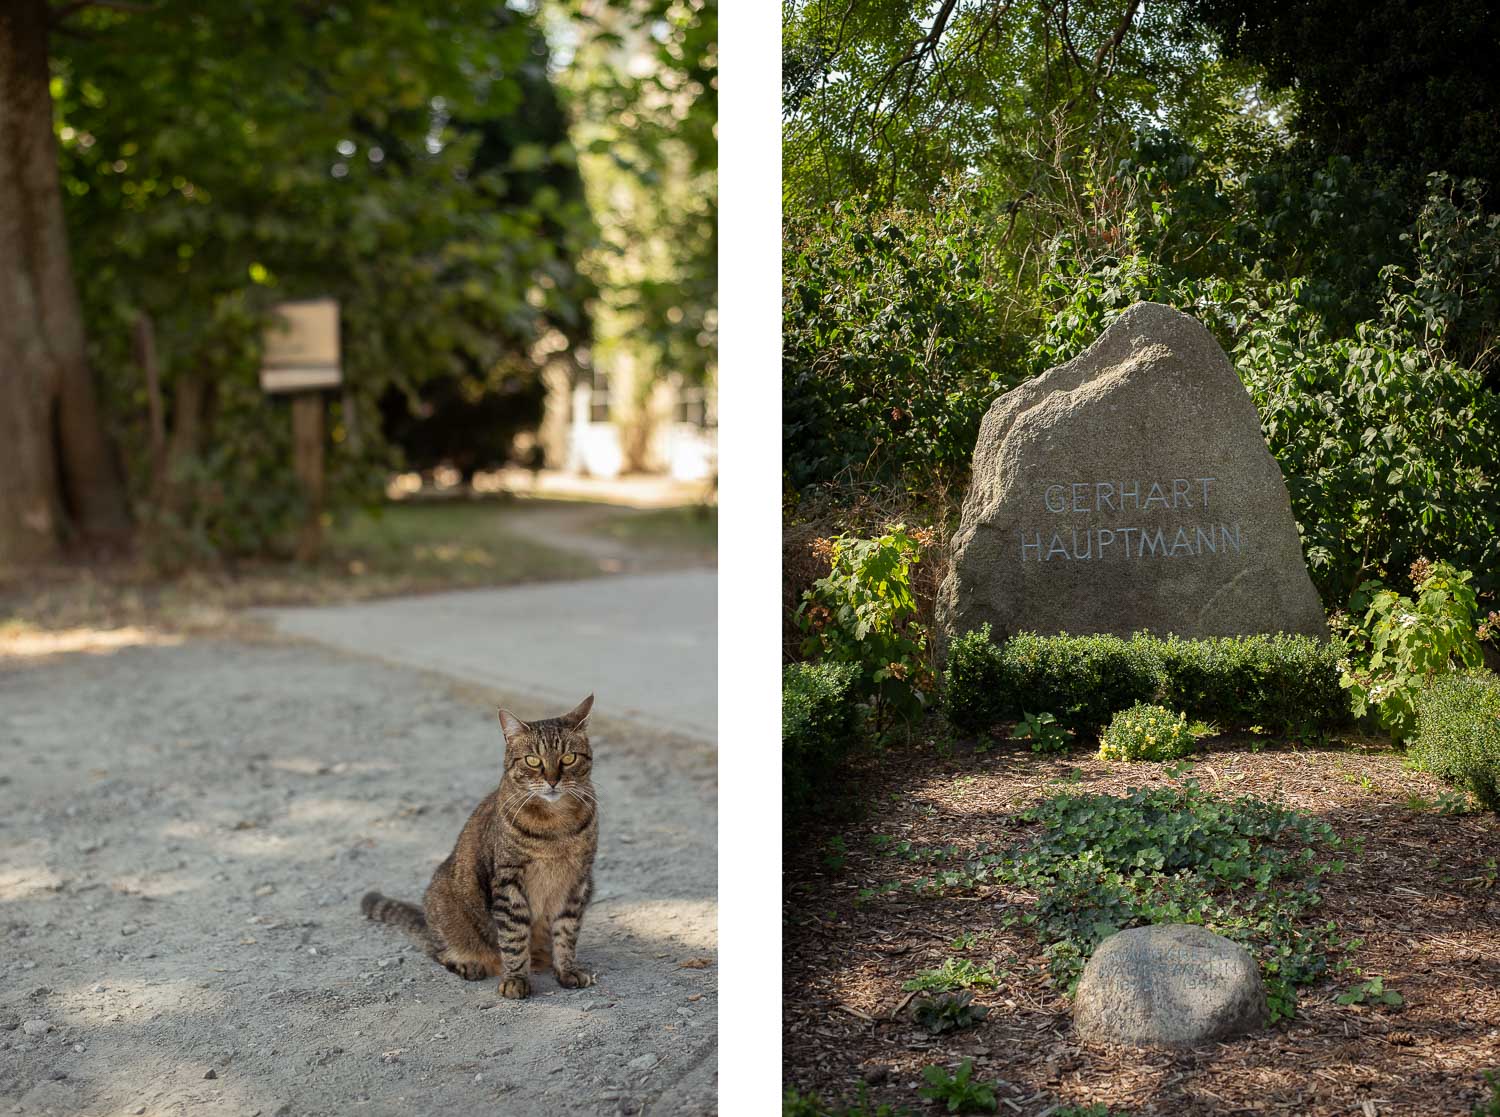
(516, 814)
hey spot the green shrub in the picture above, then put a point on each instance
(1146, 733)
(819, 723)
(1288, 683)
(1458, 733)
(1083, 680)
(1400, 645)
(864, 613)
(974, 682)
(1281, 682)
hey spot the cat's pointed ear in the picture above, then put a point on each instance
(510, 725)
(578, 717)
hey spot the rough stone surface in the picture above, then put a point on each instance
(1129, 489)
(1171, 985)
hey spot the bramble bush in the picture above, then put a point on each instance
(1146, 732)
(1458, 733)
(864, 612)
(1286, 683)
(1398, 645)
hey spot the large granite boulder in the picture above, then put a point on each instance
(1172, 985)
(1129, 489)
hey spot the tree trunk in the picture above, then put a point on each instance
(61, 479)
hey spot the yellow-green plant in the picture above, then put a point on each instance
(1146, 732)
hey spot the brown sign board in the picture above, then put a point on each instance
(301, 350)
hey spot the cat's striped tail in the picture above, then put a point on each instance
(383, 909)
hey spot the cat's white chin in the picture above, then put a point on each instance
(551, 795)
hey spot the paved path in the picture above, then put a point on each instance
(645, 644)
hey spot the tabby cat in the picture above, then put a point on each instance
(513, 890)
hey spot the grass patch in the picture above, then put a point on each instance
(400, 548)
(690, 527)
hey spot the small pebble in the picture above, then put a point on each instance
(211, 1073)
(99, 989)
(36, 1027)
(643, 1062)
(129, 929)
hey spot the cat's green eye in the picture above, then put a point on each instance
(568, 758)
(534, 761)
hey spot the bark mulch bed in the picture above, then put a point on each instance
(1423, 895)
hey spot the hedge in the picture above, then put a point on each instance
(1288, 683)
(1458, 733)
(819, 724)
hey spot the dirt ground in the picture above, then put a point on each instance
(1422, 895)
(186, 830)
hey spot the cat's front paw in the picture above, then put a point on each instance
(516, 987)
(574, 979)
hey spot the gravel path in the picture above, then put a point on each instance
(184, 836)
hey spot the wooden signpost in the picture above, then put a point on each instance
(302, 358)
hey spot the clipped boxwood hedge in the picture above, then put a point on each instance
(1458, 733)
(1281, 682)
(819, 724)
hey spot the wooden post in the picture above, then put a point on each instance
(307, 459)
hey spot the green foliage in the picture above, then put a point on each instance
(1372, 992)
(794, 1104)
(819, 726)
(1082, 679)
(948, 1012)
(1399, 645)
(972, 679)
(1354, 84)
(863, 612)
(643, 84)
(1042, 731)
(1146, 733)
(1458, 734)
(372, 152)
(1289, 682)
(1489, 1107)
(959, 1090)
(1098, 1109)
(1386, 443)
(893, 343)
(1286, 683)
(954, 973)
(1245, 868)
